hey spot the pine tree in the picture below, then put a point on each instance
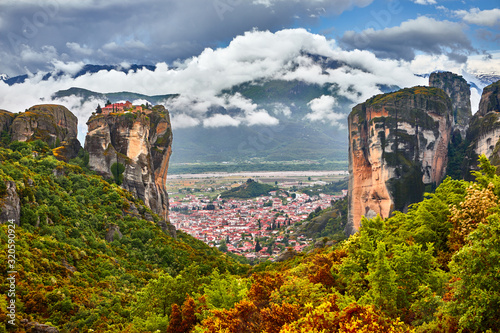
(257, 246)
(382, 280)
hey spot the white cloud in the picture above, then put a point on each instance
(254, 56)
(425, 2)
(322, 110)
(261, 118)
(46, 55)
(280, 108)
(423, 34)
(490, 17)
(475, 98)
(83, 50)
(479, 64)
(220, 120)
(183, 121)
(68, 67)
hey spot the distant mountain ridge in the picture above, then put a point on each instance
(297, 137)
(86, 94)
(86, 69)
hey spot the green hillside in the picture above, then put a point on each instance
(85, 247)
(250, 189)
(87, 261)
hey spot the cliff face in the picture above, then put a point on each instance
(457, 88)
(54, 124)
(398, 145)
(139, 142)
(49, 123)
(10, 204)
(484, 129)
(6, 119)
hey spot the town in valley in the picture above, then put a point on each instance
(257, 228)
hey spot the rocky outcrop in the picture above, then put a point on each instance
(398, 145)
(34, 327)
(10, 205)
(484, 129)
(458, 89)
(67, 150)
(6, 119)
(113, 232)
(50, 123)
(134, 149)
(53, 124)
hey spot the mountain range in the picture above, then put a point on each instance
(305, 120)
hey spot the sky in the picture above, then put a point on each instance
(201, 47)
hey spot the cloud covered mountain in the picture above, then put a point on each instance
(296, 86)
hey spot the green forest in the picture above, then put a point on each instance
(87, 261)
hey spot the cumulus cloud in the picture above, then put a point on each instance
(260, 118)
(423, 34)
(68, 67)
(184, 121)
(489, 18)
(77, 48)
(322, 110)
(220, 120)
(425, 2)
(202, 81)
(108, 32)
(280, 108)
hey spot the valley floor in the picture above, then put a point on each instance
(195, 207)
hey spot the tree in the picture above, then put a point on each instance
(157, 297)
(382, 282)
(476, 290)
(108, 103)
(99, 109)
(223, 246)
(257, 246)
(175, 323)
(475, 209)
(117, 170)
(224, 290)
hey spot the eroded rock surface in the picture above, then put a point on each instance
(140, 142)
(398, 146)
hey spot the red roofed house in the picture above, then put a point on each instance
(120, 107)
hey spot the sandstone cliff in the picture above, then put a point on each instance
(6, 119)
(141, 144)
(53, 124)
(398, 145)
(49, 123)
(484, 128)
(458, 89)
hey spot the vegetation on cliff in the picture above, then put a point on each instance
(433, 269)
(85, 247)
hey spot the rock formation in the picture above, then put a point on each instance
(398, 145)
(6, 119)
(484, 129)
(458, 89)
(53, 124)
(10, 204)
(49, 123)
(134, 149)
